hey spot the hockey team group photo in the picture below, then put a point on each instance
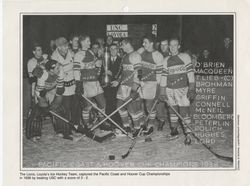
(127, 91)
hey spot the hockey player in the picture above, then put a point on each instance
(70, 101)
(35, 68)
(74, 44)
(162, 114)
(164, 48)
(86, 71)
(129, 84)
(49, 90)
(178, 86)
(151, 75)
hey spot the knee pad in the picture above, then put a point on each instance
(123, 113)
(185, 111)
(86, 109)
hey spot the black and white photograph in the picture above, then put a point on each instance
(128, 91)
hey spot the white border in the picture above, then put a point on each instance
(235, 147)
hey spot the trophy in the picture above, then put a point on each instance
(106, 62)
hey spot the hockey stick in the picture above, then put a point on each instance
(198, 139)
(87, 133)
(108, 116)
(141, 129)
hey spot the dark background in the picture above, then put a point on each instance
(198, 32)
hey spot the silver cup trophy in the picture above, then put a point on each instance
(106, 62)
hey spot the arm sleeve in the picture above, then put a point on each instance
(141, 50)
(54, 56)
(163, 81)
(77, 65)
(158, 59)
(135, 59)
(31, 65)
(41, 83)
(119, 70)
(189, 67)
(60, 84)
(118, 77)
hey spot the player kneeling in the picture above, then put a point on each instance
(49, 90)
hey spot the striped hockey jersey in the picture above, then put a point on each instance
(178, 71)
(151, 65)
(85, 66)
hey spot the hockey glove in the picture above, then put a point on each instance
(32, 79)
(134, 94)
(60, 90)
(37, 72)
(157, 93)
(191, 92)
(79, 88)
(42, 102)
(56, 103)
(43, 93)
(139, 75)
(162, 94)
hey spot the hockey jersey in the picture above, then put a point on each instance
(130, 63)
(68, 76)
(85, 66)
(175, 71)
(35, 63)
(49, 82)
(151, 65)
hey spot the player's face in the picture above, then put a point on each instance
(164, 47)
(147, 44)
(95, 49)
(74, 42)
(52, 44)
(109, 40)
(124, 46)
(113, 50)
(174, 47)
(56, 70)
(206, 53)
(100, 41)
(86, 43)
(38, 52)
(64, 49)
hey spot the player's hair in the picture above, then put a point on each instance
(164, 39)
(50, 64)
(113, 44)
(109, 36)
(127, 40)
(150, 37)
(72, 36)
(35, 45)
(99, 38)
(95, 43)
(83, 37)
(175, 39)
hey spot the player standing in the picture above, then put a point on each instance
(74, 44)
(70, 101)
(35, 68)
(151, 75)
(162, 114)
(87, 71)
(129, 84)
(178, 86)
